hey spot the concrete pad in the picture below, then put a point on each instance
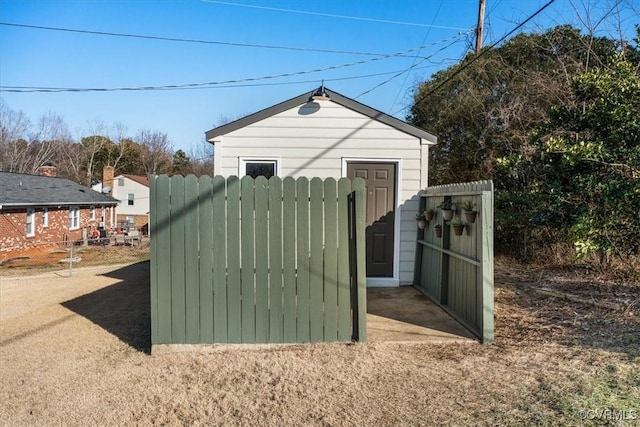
(404, 314)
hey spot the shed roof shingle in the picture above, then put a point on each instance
(333, 97)
(18, 189)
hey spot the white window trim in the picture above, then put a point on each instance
(31, 219)
(394, 281)
(103, 216)
(74, 212)
(45, 217)
(242, 164)
(92, 213)
(131, 199)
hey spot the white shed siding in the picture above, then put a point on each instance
(313, 142)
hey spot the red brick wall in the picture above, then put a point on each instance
(13, 227)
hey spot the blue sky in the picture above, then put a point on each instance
(42, 58)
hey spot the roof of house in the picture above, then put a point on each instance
(334, 97)
(19, 190)
(137, 178)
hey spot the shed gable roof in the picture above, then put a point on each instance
(18, 189)
(333, 97)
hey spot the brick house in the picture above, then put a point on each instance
(44, 209)
(133, 192)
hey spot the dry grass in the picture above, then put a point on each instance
(51, 257)
(76, 352)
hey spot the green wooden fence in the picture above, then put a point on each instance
(257, 261)
(457, 271)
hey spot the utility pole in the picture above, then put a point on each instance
(480, 28)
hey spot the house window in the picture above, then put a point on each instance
(74, 218)
(120, 182)
(103, 217)
(130, 199)
(259, 167)
(45, 217)
(31, 227)
(92, 213)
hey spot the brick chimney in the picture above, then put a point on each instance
(107, 178)
(48, 169)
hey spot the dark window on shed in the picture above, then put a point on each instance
(256, 169)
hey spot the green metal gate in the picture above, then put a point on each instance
(257, 261)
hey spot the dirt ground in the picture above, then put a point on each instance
(76, 351)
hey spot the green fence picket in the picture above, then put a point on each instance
(191, 255)
(219, 254)
(344, 274)
(330, 267)
(247, 263)
(262, 259)
(302, 267)
(289, 259)
(205, 258)
(276, 310)
(234, 306)
(178, 303)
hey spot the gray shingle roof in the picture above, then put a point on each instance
(18, 189)
(334, 97)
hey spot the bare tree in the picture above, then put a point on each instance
(51, 132)
(202, 159)
(25, 147)
(71, 161)
(156, 153)
(93, 144)
(14, 126)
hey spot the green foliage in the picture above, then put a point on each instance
(455, 222)
(484, 116)
(592, 156)
(181, 163)
(553, 119)
(468, 205)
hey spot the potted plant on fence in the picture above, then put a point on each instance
(469, 212)
(437, 230)
(430, 213)
(422, 220)
(457, 225)
(447, 211)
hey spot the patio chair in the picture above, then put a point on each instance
(119, 239)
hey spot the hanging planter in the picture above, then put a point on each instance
(469, 212)
(422, 220)
(457, 226)
(470, 216)
(447, 211)
(447, 214)
(430, 214)
(437, 230)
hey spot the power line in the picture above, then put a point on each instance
(406, 76)
(331, 15)
(481, 54)
(29, 89)
(299, 82)
(406, 70)
(181, 40)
